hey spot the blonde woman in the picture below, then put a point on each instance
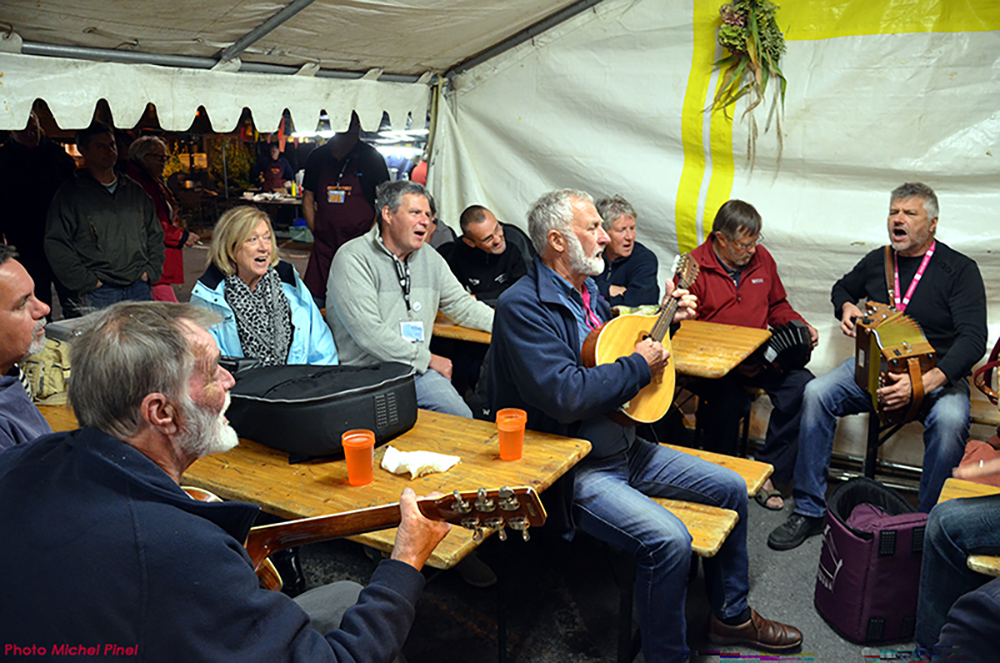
(268, 314)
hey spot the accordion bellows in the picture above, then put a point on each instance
(889, 342)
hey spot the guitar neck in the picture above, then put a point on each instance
(267, 539)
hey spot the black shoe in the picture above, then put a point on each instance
(794, 532)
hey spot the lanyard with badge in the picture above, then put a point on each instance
(337, 194)
(411, 330)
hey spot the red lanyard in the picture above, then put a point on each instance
(901, 305)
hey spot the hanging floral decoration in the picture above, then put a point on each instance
(750, 33)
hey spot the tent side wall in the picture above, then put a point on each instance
(612, 102)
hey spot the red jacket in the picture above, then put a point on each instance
(174, 236)
(760, 301)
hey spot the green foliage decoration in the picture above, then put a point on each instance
(749, 31)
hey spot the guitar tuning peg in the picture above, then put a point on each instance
(520, 524)
(508, 499)
(483, 503)
(460, 505)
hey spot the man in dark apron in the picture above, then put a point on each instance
(338, 199)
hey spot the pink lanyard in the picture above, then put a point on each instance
(901, 305)
(592, 320)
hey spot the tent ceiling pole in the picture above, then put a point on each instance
(518, 38)
(264, 28)
(189, 61)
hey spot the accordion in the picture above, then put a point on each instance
(889, 342)
(789, 348)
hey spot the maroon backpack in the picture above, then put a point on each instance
(869, 567)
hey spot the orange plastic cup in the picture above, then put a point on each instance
(359, 452)
(510, 424)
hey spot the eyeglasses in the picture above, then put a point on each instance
(749, 245)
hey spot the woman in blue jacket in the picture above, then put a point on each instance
(267, 312)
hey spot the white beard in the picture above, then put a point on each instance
(38, 344)
(580, 263)
(205, 432)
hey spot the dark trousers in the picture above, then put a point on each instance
(725, 401)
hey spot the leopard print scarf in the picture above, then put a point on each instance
(263, 318)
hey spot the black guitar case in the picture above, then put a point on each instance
(303, 410)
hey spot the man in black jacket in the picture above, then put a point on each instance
(481, 260)
(942, 291)
(102, 236)
(167, 577)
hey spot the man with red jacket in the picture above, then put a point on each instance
(738, 284)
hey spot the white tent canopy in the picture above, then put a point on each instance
(610, 101)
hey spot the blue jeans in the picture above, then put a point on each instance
(610, 503)
(946, 428)
(955, 530)
(435, 392)
(106, 295)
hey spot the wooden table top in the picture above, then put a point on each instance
(261, 475)
(711, 350)
(445, 329)
(956, 488)
(700, 349)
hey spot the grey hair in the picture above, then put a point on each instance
(390, 194)
(921, 190)
(142, 146)
(613, 208)
(734, 216)
(126, 352)
(553, 211)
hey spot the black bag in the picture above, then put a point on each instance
(304, 409)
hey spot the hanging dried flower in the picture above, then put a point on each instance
(750, 33)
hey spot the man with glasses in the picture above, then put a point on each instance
(738, 284)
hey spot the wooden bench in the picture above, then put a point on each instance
(985, 413)
(957, 488)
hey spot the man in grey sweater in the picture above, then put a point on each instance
(383, 294)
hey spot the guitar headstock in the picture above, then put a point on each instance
(686, 269)
(480, 510)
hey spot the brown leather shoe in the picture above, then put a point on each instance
(758, 632)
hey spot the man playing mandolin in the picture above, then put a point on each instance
(104, 550)
(536, 365)
(941, 290)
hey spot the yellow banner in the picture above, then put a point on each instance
(707, 177)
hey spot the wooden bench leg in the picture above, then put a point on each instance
(871, 452)
(623, 569)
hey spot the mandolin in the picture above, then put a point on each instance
(618, 338)
(480, 511)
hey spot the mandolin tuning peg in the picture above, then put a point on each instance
(477, 534)
(525, 535)
(502, 533)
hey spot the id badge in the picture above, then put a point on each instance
(336, 195)
(412, 331)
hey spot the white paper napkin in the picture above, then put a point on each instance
(417, 463)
